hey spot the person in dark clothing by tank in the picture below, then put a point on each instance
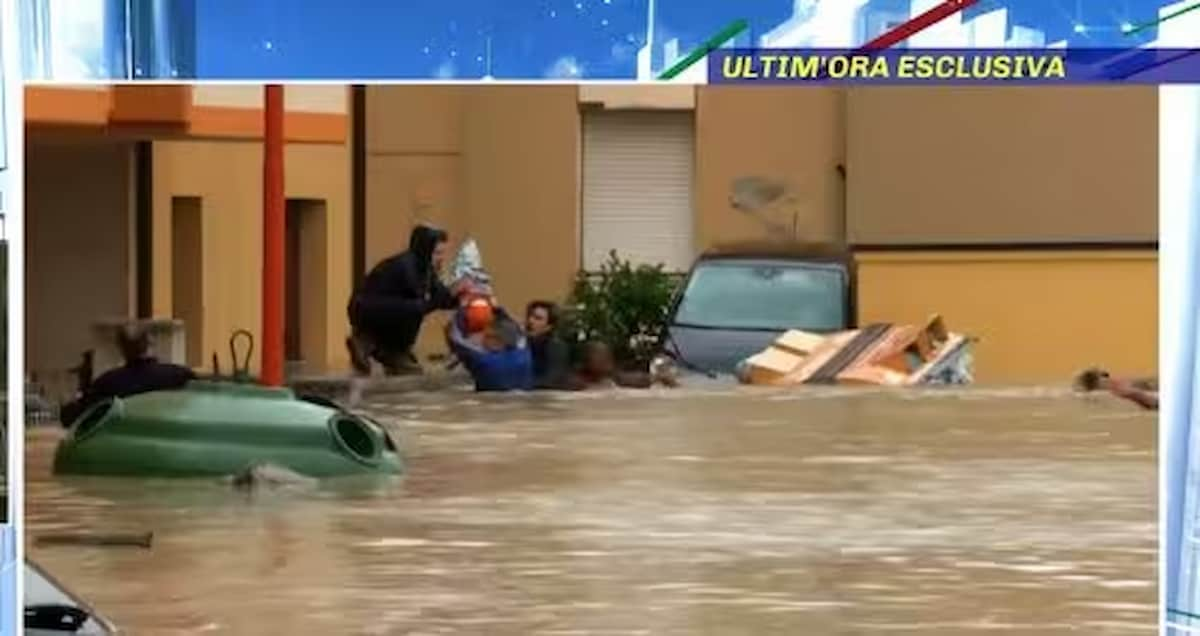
(388, 307)
(141, 373)
(551, 356)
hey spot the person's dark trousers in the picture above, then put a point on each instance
(394, 349)
(385, 334)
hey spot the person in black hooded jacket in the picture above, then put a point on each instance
(387, 308)
(141, 373)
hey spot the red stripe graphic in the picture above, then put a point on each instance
(917, 24)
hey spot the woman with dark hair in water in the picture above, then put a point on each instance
(1144, 392)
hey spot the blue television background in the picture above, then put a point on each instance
(452, 39)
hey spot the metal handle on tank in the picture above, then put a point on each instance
(241, 372)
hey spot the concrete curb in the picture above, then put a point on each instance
(340, 386)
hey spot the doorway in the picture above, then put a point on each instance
(305, 287)
(187, 273)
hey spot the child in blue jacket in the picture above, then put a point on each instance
(497, 356)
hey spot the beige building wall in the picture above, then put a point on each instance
(414, 174)
(789, 136)
(207, 174)
(498, 163)
(502, 164)
(928, 166)
(78, 246)
(994, 165)
(414, 155)
(303, 98)
(226, 178)
(1041, 316)
(522, 170)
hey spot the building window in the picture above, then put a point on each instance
(637, 187)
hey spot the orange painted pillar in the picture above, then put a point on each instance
(274, 220)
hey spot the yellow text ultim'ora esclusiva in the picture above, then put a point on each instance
(936, 67)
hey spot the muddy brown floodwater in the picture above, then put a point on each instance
(723, 511)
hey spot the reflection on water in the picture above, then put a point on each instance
(721, 512)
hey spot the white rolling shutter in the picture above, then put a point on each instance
(637, 187)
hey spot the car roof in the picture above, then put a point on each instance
(779, 251)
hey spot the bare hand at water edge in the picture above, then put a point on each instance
(1142, 392)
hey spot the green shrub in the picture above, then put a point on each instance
(622, 305)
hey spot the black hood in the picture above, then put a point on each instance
(421, 243)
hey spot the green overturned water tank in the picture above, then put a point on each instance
(219, 428)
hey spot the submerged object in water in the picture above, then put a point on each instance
(880, 354)
(221, 428)
(263, 474)
(122, 540)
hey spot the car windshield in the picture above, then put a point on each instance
(764, 296)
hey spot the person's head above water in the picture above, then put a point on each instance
(541, 317)
(1093, 379)
(492, 341)
(502, 335)
(429, 245)
(598, 361)
(133, 342)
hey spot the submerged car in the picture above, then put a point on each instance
(738, 300)
(50, 610)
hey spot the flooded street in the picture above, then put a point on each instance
(731, 511)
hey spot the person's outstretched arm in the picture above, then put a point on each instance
(442, 297)
(392, 306)
(1143, 398)
(467, 352)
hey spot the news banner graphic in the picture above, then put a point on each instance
(1170, 15)
(894, 36)
(955, 66)
(875, 63)
(464, 40)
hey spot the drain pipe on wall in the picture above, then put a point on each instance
(358, 182)
(274, 227)
(844, 221)
(843, 110)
